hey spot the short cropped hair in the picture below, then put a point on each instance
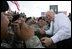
(4, 6)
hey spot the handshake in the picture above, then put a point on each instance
(24, 31)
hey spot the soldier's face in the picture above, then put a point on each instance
(40, 23)
(4, 25)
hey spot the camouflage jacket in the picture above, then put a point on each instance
(33, 42)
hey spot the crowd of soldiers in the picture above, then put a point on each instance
(12, 40)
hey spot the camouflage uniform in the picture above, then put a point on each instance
(12, 41)
(4, 44)
(45, 27)
(33, 42)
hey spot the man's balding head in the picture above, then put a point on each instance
(50, 15)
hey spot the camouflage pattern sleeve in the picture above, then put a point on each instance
(33, 42)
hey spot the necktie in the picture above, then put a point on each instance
(52, 27)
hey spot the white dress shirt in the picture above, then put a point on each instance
(62, 28)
